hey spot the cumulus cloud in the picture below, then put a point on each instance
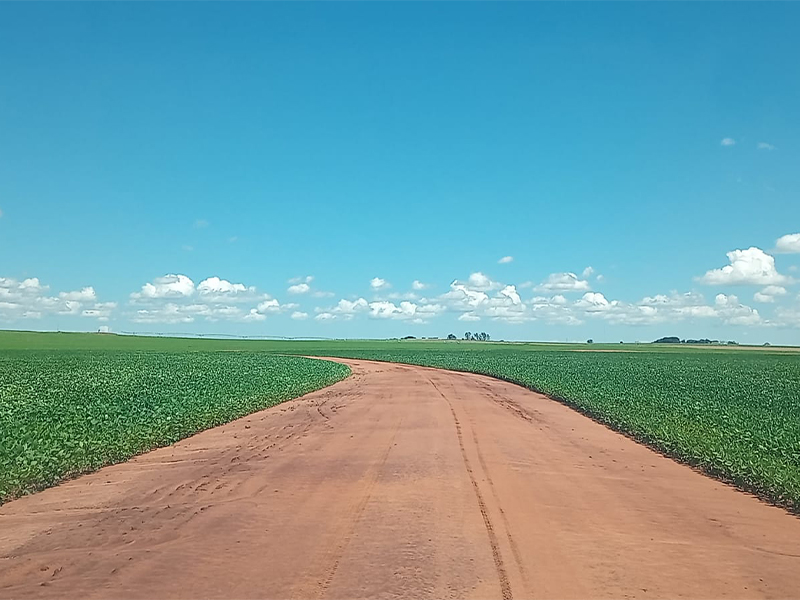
(510, 292)
(168, 286)
(87, 294)
(788, 244)
(220, 290)
(733, 312)
(100, 311)
(418, 285)
(299, 288)
(505, 260)
(594, 302)
(765, 146)
(563, 282)
(380, 309)
(377, 284)
(479, 281)
(304, 279)
(174, 298)
(30, 299)
(480, 296)
(299, 315)
(769, 293)
(747, 267)
(728, 142)
(587, 272)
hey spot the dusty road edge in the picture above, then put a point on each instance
(698, 467)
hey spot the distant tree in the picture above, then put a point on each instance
(488, 337)
(468, 336)
(668, 340)
(408, 337)
(451, 336)
(590, 341)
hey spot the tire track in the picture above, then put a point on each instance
(502, 574)
(347, 537)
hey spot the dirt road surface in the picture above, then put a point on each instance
(400, 482)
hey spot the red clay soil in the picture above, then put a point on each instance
(400, 482)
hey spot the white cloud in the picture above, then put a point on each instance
(345, 309)
(175, 299)
(510, 292)
(768, 294)
(299, 288)
(299, 316)
(480, 296)
(728, 141)
(177, 312)
(463, 297)
(269, 306)
(214, 289)
(587, 272)
(469, 317)
(788, 244)
(87, 294)
(100, 311)
(302, 285)
(747, 267)
(349, 307)
(306, 279)
(381, 309)
(593, 302)
(765, 146)
(168, 286)
(418, 285)
(167, 313)
(563, 282)
(479, 281)
(376, 283)
(732, 312)
(505, 260)
(254, 315)
(29, 299)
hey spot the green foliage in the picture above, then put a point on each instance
(82, 400)
(69, 411)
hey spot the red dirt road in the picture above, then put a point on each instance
(400, 482)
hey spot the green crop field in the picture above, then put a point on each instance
(71, 402)
(68, 411)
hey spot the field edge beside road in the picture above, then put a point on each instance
(64, 414)
(781, 498)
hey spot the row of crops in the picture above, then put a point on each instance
(734, 414)
(64, 412)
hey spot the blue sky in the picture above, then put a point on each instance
(178, 167)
